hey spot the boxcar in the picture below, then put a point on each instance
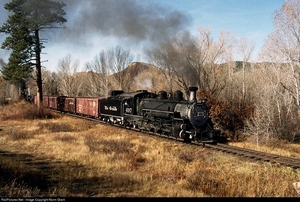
(52, 102)
(57, 102)
(61, 103)
(87, 106)
(70, 105)
(45, 101)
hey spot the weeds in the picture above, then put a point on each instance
(107, 146)
(56, 127)
(116, 146)
(101, 164)
(16, 134)
(66, 138)
(92, 143)
(22, 110)
(187, 156)
(136, 160)
(19, 180)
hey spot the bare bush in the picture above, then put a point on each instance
(92, 143)
(117, 146)
(23, 110)
(56, 127)
(66, 138)
(136, 159)
(187, 156)
(15, 135)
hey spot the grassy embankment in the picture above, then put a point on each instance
(57, 156)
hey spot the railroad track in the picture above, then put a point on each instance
(258, 155)
(237, 151)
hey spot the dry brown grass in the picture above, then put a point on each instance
(22, 110)
(273, 146)
(67, 157)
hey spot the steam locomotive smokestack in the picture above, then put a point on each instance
(193, 91)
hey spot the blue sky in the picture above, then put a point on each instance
(96, 25)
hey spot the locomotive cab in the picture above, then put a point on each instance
(129, 105)
(131, 101)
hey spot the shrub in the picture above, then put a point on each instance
(19, 134)
(23, 110)
(56, 127)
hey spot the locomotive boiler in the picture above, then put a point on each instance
(174, 116)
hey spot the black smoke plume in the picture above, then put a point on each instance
(131, 20)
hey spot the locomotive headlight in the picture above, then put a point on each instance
(200, 114)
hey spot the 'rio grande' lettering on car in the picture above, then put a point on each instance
(110, 108)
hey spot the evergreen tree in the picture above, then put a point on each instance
(24, 26)
(20, 42)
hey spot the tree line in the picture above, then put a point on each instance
(258, 98)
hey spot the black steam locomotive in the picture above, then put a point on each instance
(160, 113)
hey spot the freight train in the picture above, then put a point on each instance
(187, 119)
